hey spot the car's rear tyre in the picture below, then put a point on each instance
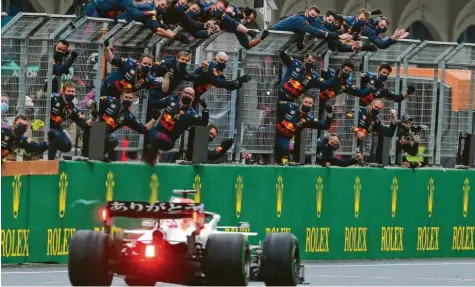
(227, 260)
(87, 260)
(138, 282)
(280, 261)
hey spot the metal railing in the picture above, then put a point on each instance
(442, 73)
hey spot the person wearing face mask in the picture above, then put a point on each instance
(379, 26)
(217, 14)
(63, 59)
(62, 108)
(5, 107)
(178, 115)
(13, 138)
(244, 15)
(195, 12)
(379, 79)
(406, 141)
(326, 150)
(174, 72)
(300, 77)
(115, 9)
(292, 117)
(303, 23)
(116, 114)
(369, 122)
(212, 74)
(342, 84)
(176, 14)
(131, 74)
(219, 151)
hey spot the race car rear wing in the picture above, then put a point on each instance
(158, 210)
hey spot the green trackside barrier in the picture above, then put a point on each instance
(336, 213)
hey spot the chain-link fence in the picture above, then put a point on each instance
(442, 73)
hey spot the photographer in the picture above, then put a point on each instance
(408, 140)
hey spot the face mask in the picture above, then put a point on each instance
(218, 13)
(330, 26)
(185, 100)
(345, 75)
(126, 103)
(145, 70)
(4, 107)
(308, 66)
(361, 23)
(310, 19)
(58, 56)
(405, 128)
(374, 113)
(306, 109)
(180, 8)
(69, 98)
(159, 10)
(20, 130)
(210, 139)
(221, 66)
(333, 148)
(192, 14)
(379, 30)
(383, 78)
(182, 66)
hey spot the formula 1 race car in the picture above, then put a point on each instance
(179, 243)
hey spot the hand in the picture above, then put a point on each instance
(90, 122)
(244, 79)
(205, 66)
(328, 108)
(74, 54)
(226, 144)
(359, 156)
(404, 141)
(406, 164)
(376, 12)
(416, 138)
(328, 164)
(404, 36)
(203, 104)
(398, 33)
(392, 112)
(356, 47)
(410, 90)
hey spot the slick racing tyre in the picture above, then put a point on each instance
(227, 260)
(280, 262)
(87, 260)
(138, 282)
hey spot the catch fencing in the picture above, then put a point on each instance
(442, 73)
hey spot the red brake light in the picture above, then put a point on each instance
(104, 214)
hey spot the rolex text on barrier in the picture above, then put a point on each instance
(358, 213)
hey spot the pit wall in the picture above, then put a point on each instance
(336, 213)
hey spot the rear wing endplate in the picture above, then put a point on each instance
(159, 210)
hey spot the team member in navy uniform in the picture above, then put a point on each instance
(178, 116)
(131, 75)
(368, 122)
(299, 77)
(343, 85)
(377, 26)
(212, 74)
(217, 12)
(13, 138)
(174, 71)
(63, 59)
(379, 78)
(116, 114)
(219, 151)
(326, 149)
(62, 108)
(112, 9)
(292, 117)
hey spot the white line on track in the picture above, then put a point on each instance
(323, 265)
(388, 277)
(34, 272)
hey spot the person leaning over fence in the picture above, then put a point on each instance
(116, 114)
(244, 15)
(292, 117)
(217, 13)
(374, 27)
(178, 115)
(369, 122)
(13, 138)
(300, 77)
(379, 79)
(211, 74)
(63, 59)
(407, 141)
(131, 74)
(62, 108)
(326, 149)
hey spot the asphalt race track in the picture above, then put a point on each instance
(446, 272)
